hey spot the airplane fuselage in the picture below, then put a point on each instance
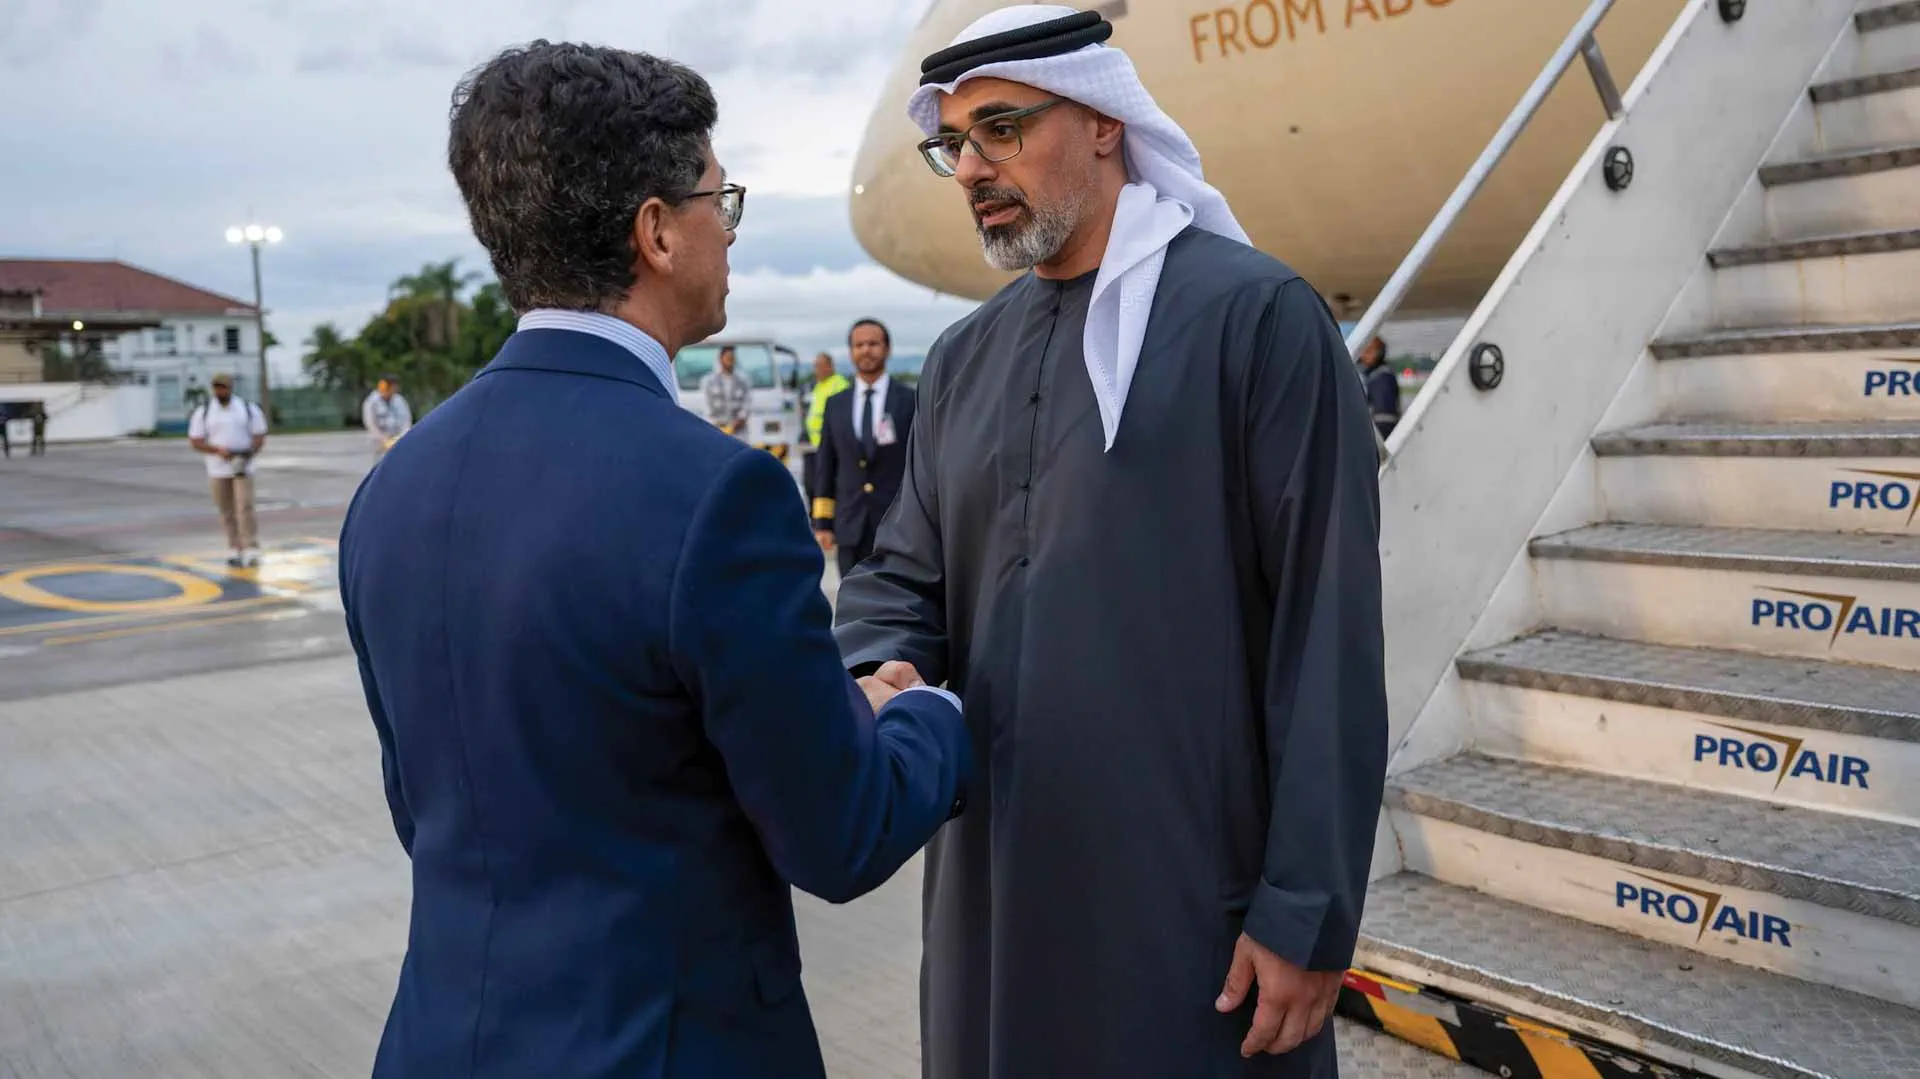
(1335, 128)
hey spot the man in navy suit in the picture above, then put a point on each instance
(863, 449)
(613, 722)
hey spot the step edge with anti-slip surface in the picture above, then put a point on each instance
(1848, 555)
(1722, 438)
(1839, 165)
(1425, 792)
(1840, 245)
(1887, 17)
(1857, 86)
(1807, 707)
(1633, 988)
(1854, 337)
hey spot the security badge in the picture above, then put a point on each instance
(883, 434)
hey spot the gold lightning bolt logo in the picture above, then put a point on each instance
(1912, 478)
(1709, 900)
(1790, 747)
(1844, 603)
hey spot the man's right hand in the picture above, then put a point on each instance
(825, 538)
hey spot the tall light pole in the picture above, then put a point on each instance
(253, 236)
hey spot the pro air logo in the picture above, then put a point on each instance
(1897, 492)
(1776, 755)
(1895, 383)
(1832, 614)
(1683, 904)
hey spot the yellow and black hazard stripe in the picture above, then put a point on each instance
(1491, 1039)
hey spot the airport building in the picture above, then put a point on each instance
(69, 325)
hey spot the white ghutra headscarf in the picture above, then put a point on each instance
(1166, 192)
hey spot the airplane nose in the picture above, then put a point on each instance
(906, 217)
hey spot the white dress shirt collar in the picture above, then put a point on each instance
(625, 334)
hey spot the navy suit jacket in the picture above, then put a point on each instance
(614, 725)
(853, 489)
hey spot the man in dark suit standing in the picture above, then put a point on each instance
(863, 449)
(612, 719)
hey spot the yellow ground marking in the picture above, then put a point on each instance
(194, 591)
(155, 627)
(121, 557)
(282, 571)
(135, 616)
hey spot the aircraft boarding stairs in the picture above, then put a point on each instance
(1683, 821)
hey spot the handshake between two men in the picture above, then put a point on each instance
(611, 765)
(893, 678)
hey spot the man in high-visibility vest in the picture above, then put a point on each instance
(826, 383)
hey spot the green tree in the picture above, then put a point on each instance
(431, 335)
(491, 324)
(436, 280)
(333, 361)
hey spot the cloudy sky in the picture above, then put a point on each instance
(141, 129)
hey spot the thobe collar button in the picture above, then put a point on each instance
(1025, 560)
(1034, 397)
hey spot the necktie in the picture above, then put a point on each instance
(868, 445)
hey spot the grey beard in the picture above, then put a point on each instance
(1023, 245)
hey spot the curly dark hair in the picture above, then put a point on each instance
(554, 148)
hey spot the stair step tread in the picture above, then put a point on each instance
(1882, 82)
(1845, 163)
(1888, 16)
(1772, 339)
(1829, 438)
(1830, 554)
(1833, 859)
(1875, 242)
(1768, 1024)
(1873, 702)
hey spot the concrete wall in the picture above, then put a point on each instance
(83, 413)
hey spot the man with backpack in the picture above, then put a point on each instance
(230, 431)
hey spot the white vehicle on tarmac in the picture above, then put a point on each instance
(772, 372)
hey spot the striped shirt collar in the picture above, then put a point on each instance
(624, 334)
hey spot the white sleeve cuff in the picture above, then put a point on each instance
(951, 699)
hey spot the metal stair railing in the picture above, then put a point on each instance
(1579, 42)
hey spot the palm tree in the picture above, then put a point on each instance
(430, 301)
(436, 280)
(335, 362)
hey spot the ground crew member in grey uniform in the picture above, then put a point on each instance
(386, 415)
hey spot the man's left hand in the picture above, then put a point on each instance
(1294, 1003)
